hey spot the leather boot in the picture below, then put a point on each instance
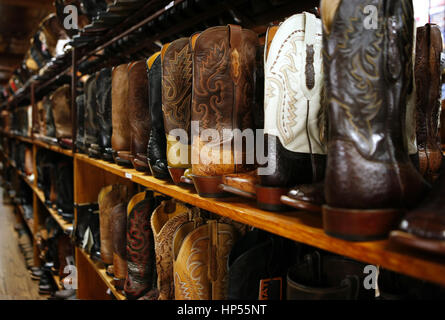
(225, 54)
(80, 136)
(200, 260)
(118, 224)
(157, 144)
(294, 125)
(50, 128)
(91, 121)
(103, 113)
(424, 227)
(83, 213)
(327, 277)
(65, 193)
(138, 113)
(428, 87)
(177, 75)
(140, 247)
(121, 137)
(109, 197)
(64, 251)
(94, 225)
(266, 258)
(166, 219)
(61, 107)
(369, 177)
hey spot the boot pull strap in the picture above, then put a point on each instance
(235, 36)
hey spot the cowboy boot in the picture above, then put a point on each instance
(157, 144)
(118, 226)
(140, 246)
(221, 55)
(61, 107)
(64, 251)
(50, 128)
(121, 137)
(90, 114)
(294, 124)
(200, 260)
(428, 87)
(65, 193)
(369, 177)
(320, 276)
(166, 219)
(138, 113)
(424, 227)
(80, 136)
(267, 258)
(109, 197)
(176, 104)
(103, 114)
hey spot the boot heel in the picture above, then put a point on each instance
(300, 205)
(208, 186)
(359, 225)
(176, 174)
(269, 198)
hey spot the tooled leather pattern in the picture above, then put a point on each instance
(164, 257)
(177, 86)
(140, 251)
(121, 135)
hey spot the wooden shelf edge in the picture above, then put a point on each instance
(103, 275)
(54, 148)
(299, 226)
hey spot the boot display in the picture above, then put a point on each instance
(141, 277)
(157, 144)
(61, 108)
(369, 176)
(121, 136)
(177, 72)
(108, 198)
(166, 219)
(428, 87)
(226, 54)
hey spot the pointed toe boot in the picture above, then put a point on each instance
(157, 144)
(370, 179)
(166, 219)
(118, 226)
(121, 136)
(177, 75)
(223, 104)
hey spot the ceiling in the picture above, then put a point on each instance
(19, 21)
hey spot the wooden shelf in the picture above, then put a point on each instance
(54, 148)
(299, 226)
(99, 268)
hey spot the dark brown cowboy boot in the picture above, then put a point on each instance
(140, 246)
(424, 227)
(109, 197)
(176, 104)
(225, 54)
(157, 144)
(369, 177)
(139, 112)
(428, 88)
(121, 136)
(166, 219)
(61, 108)
(118, 226)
